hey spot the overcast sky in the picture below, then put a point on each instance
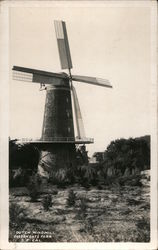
(107, 42)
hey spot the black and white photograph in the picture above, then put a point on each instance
(81, 122)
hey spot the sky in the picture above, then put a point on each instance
(106, 42)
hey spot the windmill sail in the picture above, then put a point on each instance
(38, 76)
(78, 116)
(63, 125)
(63, 45)
(92, 80)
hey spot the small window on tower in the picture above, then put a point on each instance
(69, 129)
(68, 114)
(67, 99)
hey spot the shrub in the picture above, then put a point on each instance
(16, 215)
(55, 192)
(70, 175)
(100, 187)
(25, 155)
(59, 177)
(87, 175)
(143, 224)
(133, 202)
(83, 207)
(47, 202)
(71, 198)
(34, 186)
(89, 225)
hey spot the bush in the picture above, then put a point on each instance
(19, 177)
(55, 192)
(70, 175)
(89, 225)
(34, 186)
(87, 174)
(83, 207)
(130, 180)
(16, 215)
(143, 224)
(47, 202)
(59, 177)
(71, 198)
(24, 155)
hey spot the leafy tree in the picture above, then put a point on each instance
(128, 153)
(82, 155)
(99, 156)
(24, 155)
(23, 161)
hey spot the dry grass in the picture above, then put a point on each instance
(96, 215)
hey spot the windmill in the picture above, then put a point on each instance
(57, 142)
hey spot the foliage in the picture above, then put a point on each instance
(87, 174)
(82, 155)
(99, 156)
(71, 172)
(23, 160)
(89, 225)
(143, 224)
(24, 155)
(34, 187)
(16, 214)
(127, 180)
(84, 174)
(59, 177)
(127, 153)
(98, 214)
(54, 191)
(71, 198)
(114, 235)
(83, 207)
(47, 202)
(122, 157)
(19, 177)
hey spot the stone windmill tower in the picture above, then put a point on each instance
(57, 142)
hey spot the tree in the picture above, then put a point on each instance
(23, 161)
(128, 153)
